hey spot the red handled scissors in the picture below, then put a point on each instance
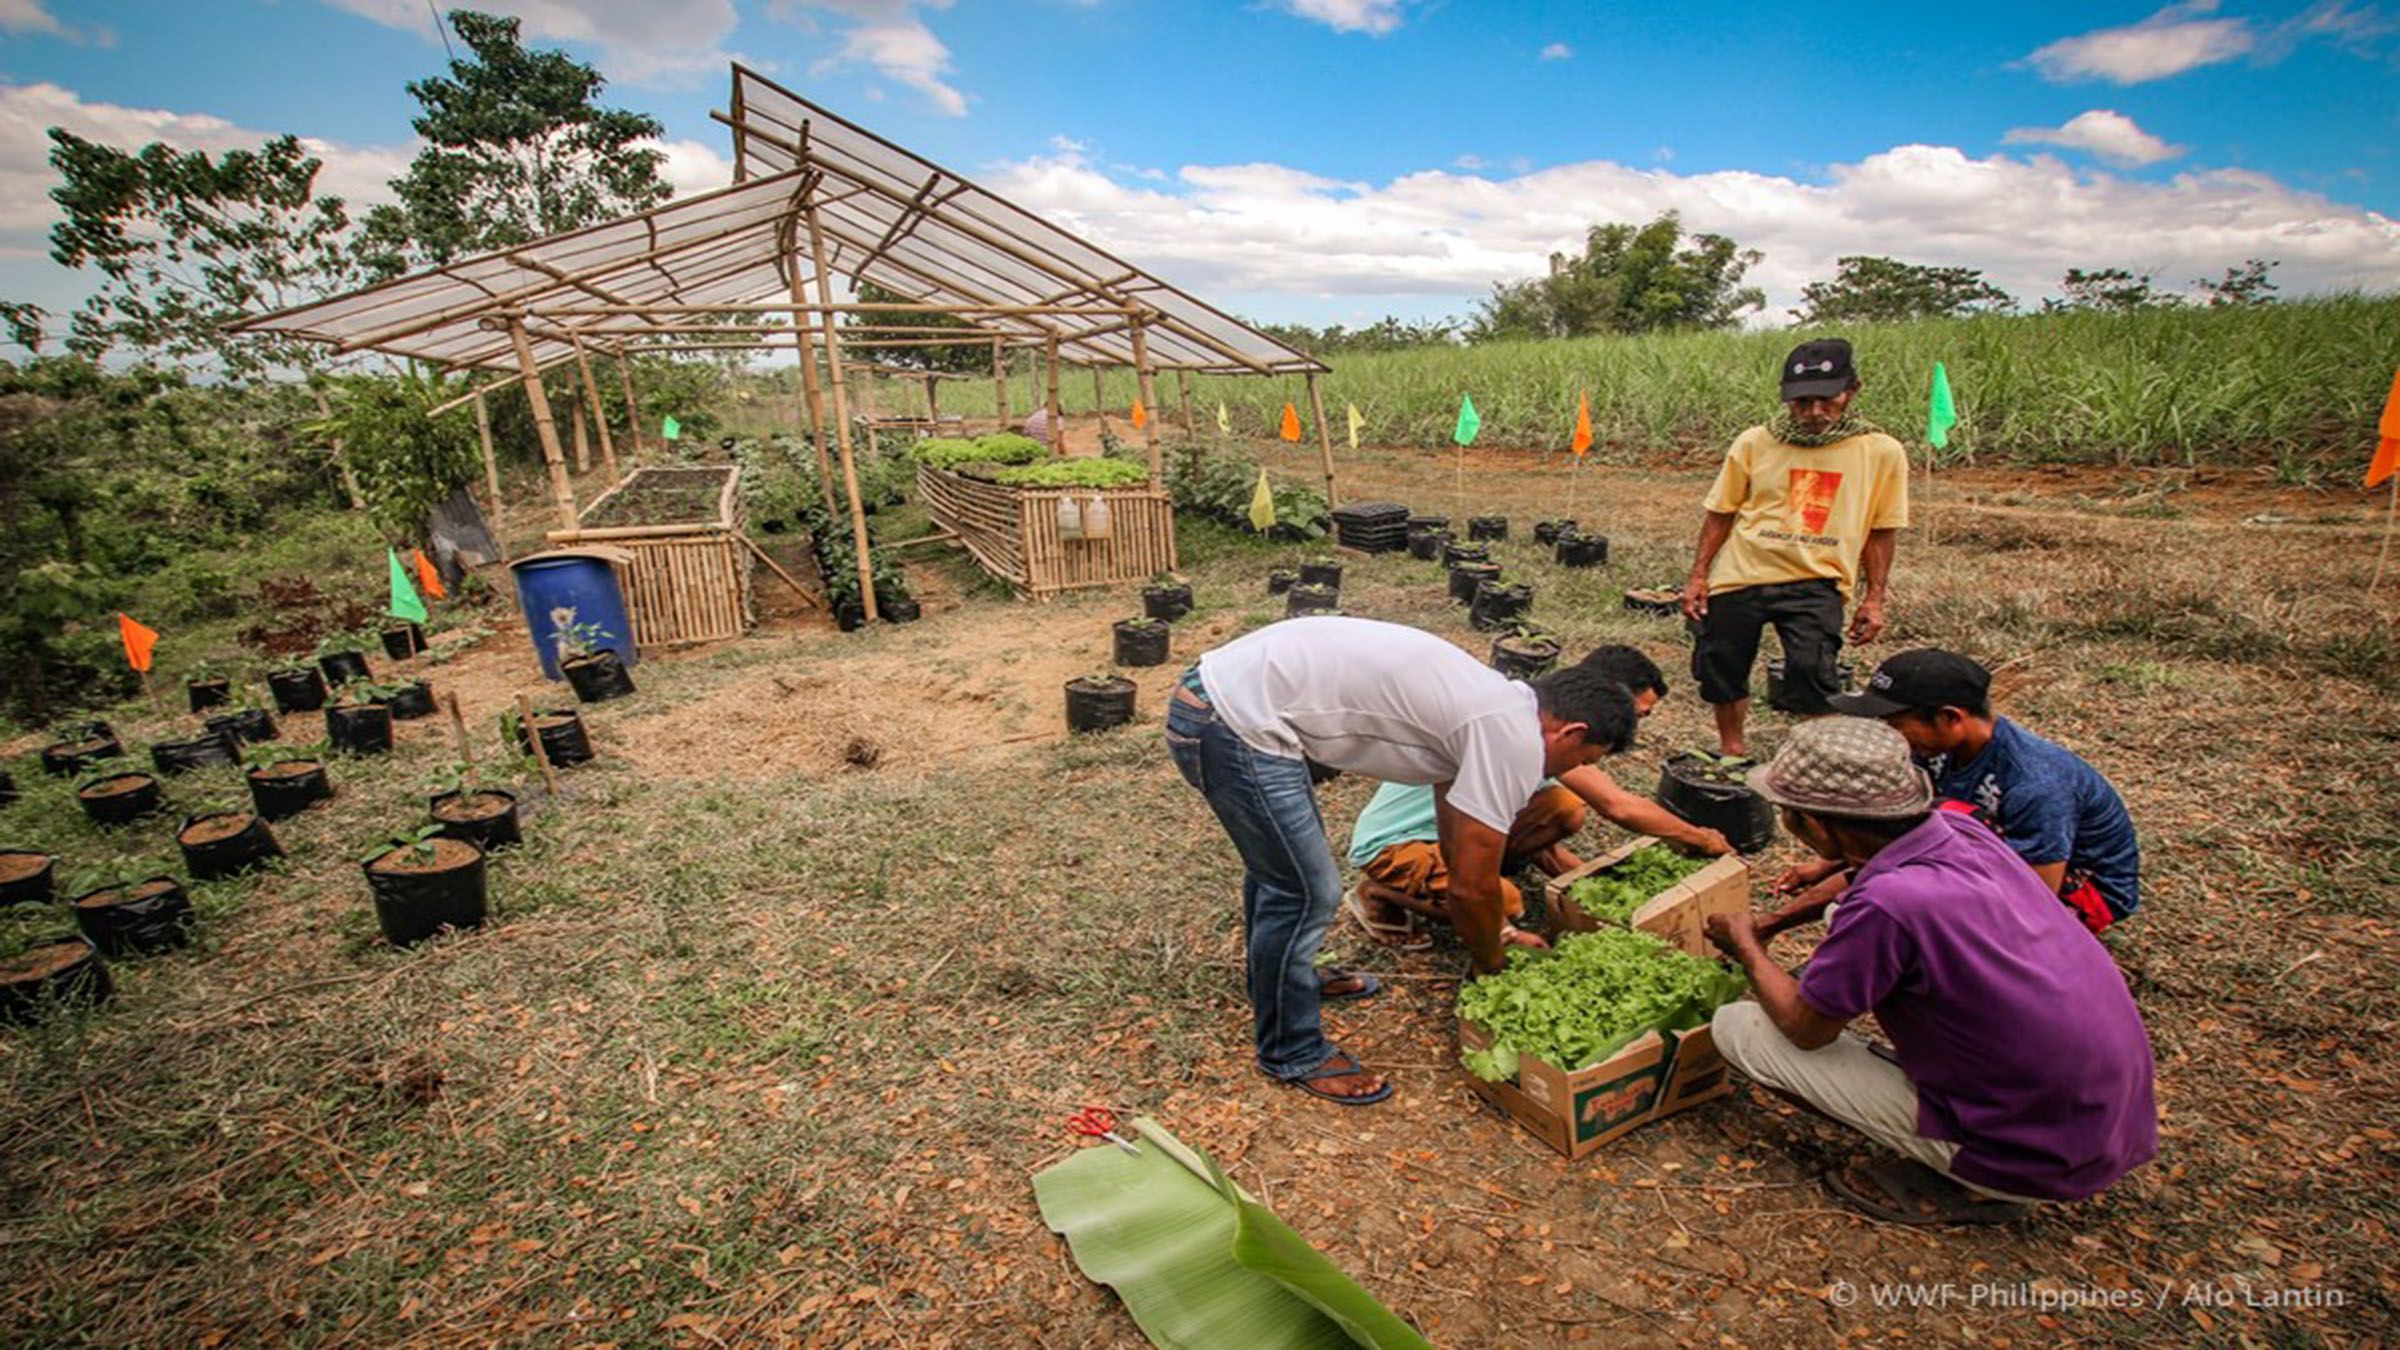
(1098, 1122)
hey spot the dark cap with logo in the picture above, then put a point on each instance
(1918, 681)
(1819, 369)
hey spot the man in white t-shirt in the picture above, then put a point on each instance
(1389, 702)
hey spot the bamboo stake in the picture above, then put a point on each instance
(1183, 388)
(777, 569)
(2391, 513)
(1316, 401)
(562, 488)
(491, 476)
(1058, 432)
(1148, 392)
(815, 396)
(583, 443)
(999, 387)
(458, 733)
(591, 390)
(633, 415)
(1099, 399)
(841, 421)
(533, 742)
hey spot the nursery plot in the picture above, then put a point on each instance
(762, 1045)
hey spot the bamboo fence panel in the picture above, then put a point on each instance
(688, 582)
(1013, 532)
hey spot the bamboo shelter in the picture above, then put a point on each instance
(815, 198)
(687, 580)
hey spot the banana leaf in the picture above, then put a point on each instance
(1198, 1261)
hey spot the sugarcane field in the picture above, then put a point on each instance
(1524, 697)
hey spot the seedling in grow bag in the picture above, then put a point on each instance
(1168, 599)
(296, 686)
(402, 641)
(465, 809)
(245, 721)
(1427, 545)
(1141, 642)
(207, 689)
(1664, 602)
(27, 877)
(119, 798)
(343, 658)
(1281, 579)
(1713, 792)
(136, 918)
(564, 741)
(64, 759)
(1547, 532)
(60, 972)
(358, 728)
(220, 844)
(408, 702)
(1487, 527)
(1307, 599)
(597, 673)
(422, 882)
(1525, 653)
(1577, 549)
(1466, 576)
(1099, 702)
(1322, 570)
(1497, 605)
(208, 750)
(284, 782)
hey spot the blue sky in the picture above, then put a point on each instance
(1330, 160)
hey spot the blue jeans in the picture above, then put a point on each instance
(1290, 884)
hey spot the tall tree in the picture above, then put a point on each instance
(2110, 288)
(1628, 279)
(1886, 290)
(2240, 286)
(185, 242)
(517, 147)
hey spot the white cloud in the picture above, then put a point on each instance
(1349, 16)
(29, 16)
(355, 173)
(2104, 132)
(2170, 42)
(1557, 51)
(655, 43)
(887, 36)
(1469, 162)
(692, 167)
(1282, 236)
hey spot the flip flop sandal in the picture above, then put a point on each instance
(1368, 986)
(1904, 1191)
(1400, 937)
(1341, 1065)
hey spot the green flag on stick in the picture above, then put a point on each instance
(405, 603)
(1941, 413)
(1468, 422)
(671, 429)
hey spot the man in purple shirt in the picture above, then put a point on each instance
(2023, 1072)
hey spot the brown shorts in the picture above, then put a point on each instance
(1418, 868)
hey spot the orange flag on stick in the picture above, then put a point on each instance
(1583, 424)
(1291, 422)
(1141, 415)
(2387, 448)
(430, 578)
(140, 641)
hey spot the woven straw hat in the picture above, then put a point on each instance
(1845, 766)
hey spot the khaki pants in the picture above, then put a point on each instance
(1846, 1080)
(1417, 868)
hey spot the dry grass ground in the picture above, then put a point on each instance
(763, 1046)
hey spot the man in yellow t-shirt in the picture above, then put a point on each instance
(1803, 516)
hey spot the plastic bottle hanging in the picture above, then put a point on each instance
(1070, 518)
(1097, 522)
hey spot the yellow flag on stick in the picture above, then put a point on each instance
(1583, 424)
(1356, 422)
(1224, 421)
(1141, 415)
(1262, 503)
(1291, 422)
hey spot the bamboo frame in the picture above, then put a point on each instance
(999, 385)
(491, 476)
(841, 420)
(1058, 429)
(684, 582)
(633, 412)
(591, 390)
(1316, 401)
(562, 488)
(1149, 396)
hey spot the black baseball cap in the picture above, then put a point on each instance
(1918, 681)
(1818, 369)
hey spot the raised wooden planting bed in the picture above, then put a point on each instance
(1013, 532)
(689, 578)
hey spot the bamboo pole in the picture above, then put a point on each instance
(491, 475)
(633, 415)
(583, 440)
(841, 420)
(562, 487)
(1099, 398)
(2391, 517)
(1058, 431)
(591, 390)
(999, 387)
(1183, 389)
(1316, 401)
(933, 399)
(814, 394)
(533, 742)
(458, 733)
(1147, 390)
(777, 569)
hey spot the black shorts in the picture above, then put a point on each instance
(1808, 618)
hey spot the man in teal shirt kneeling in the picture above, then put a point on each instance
(1398, 851)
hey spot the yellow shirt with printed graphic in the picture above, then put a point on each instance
(1801, 513)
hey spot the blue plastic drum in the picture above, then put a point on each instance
(567, 589)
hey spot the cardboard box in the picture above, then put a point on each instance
(1577, 1111)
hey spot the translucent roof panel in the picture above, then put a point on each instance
(885, 216)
